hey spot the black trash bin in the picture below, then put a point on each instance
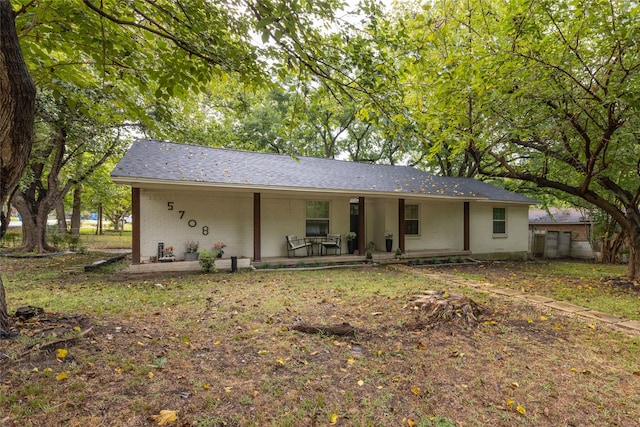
(234, 264)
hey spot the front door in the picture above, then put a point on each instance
(354, 220)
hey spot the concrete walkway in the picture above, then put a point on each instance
(631, 327)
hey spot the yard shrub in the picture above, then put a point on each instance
(207, 260)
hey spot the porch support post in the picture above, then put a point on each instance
(466, 226)
(135, 233)
(257, 242)
(401, 227)
(361, 237)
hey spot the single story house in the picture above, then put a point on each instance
(251, 201)
(560, 232)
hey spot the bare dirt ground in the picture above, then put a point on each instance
(221, 350)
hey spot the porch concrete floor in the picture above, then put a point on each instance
(346, 259)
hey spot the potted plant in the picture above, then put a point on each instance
(191, 250)
(351, 241)
(167, 254)
(218, 248)
(388, 241)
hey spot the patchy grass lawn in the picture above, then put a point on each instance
(595, 286)
(109, 240)
(88, 238)
(219, 349)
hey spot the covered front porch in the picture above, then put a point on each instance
(314, 261)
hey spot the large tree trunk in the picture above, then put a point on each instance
(633, 266)
(77, 210)
(116, 221)
(35, 214)
(5, 320)
(610, 248)
(17, 112)
(17, 105)
(61, 217)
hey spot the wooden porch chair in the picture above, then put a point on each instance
(293, 244)
(333, 241)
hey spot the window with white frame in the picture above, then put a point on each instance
(499, 221)
(317, 218)
(411, 220)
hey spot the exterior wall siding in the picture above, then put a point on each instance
(229, 219)
(482, 241)
(580, 245)
(283, 215)
(224, 216)
(441, 227)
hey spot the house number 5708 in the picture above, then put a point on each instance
(192, 222)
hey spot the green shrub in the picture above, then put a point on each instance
(56, 239)
(73, 242)
(207, 260)
(9, 239)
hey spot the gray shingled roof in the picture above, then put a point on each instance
(147, 161)
(558, 216)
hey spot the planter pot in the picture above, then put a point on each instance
(389, 244)
(191, 256)
(219, 255)
(351, 246)
(167, 259)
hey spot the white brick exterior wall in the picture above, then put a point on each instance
(227, 216)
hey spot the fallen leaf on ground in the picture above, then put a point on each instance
(165, 417)
(510, 403)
